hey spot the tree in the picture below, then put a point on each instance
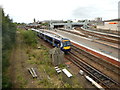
(8, 40)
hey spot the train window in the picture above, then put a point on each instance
(66, 43)
(56, 42)
(49, 38)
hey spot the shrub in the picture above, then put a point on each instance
(8, 41)
(30, 38)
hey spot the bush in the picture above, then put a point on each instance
(6, 83)
(8, 41)
(30, 38)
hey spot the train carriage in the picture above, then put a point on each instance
(57, 41)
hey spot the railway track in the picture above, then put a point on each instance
(105, 31)
(104, 37)
(99, 77)
(93, 58)
(101, 37)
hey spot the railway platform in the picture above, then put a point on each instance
(103, 51)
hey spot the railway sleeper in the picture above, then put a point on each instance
(32, 72)
(96, 74)
(92, 71)
(99, 75)
(107, 82)
(103, 78)
(112, 85)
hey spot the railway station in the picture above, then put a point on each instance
(99, 46)
(60, 44)
(100, 51)
(91, 44)
(67, 25)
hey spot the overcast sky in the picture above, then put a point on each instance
(27, 10)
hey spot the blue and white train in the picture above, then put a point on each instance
(57, 41)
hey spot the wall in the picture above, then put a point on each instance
(109, 26)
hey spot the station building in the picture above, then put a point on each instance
(113, 24)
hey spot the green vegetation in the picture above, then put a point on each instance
(32, 57)
(46, 83)
(45, 24)
(8, 41)
(29, 38)
(22, 81)
(62, 66)
(66, 85)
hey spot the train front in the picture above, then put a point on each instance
(65, 45)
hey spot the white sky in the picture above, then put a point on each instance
(27, 10)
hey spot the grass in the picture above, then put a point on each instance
(66, 85)
(40, 59)
(45, 82)
(50, 70)
(22, 81)
(62, 66)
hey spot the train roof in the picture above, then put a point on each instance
(50, 35)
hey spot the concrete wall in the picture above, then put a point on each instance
(119, 26)
(109, 26)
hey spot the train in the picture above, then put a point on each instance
(63, 43)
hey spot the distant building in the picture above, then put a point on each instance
(34, 20)
(53, 21)
(110, 24)
(98, 19)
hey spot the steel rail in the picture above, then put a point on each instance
(97, 59)
(97, 75)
